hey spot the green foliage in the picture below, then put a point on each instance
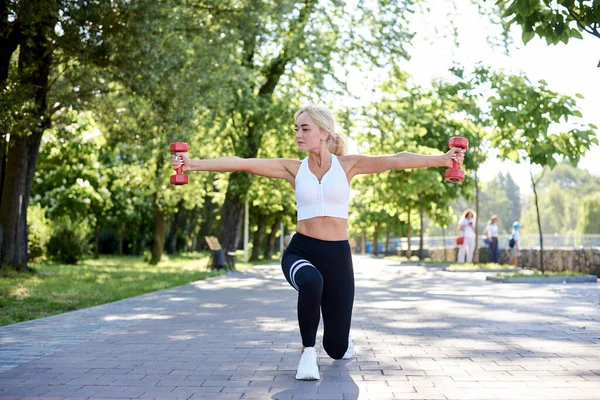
(557, 210)
(500, 197)
(561, 192)
(588, 218)
(513, 192)
(68, 242)
(414, 119)
(478, 267)
(226, 77)
(524, 115)
(494, 200)
(556, 21)
(539, 274)
(39, 229)
(69, 179)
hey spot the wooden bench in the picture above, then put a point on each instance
(220, 259)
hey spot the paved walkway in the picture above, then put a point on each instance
(420, 333)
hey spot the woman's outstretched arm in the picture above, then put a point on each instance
(365, 164)
(283, 168)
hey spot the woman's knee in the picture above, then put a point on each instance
(309, 280)
(337, 349)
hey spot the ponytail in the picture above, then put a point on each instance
(337, 142)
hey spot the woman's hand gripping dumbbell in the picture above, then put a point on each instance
(455, 174)
(180, 162)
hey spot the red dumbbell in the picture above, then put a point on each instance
(179, 178)
(455, 174)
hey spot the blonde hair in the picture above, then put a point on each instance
(337, 143)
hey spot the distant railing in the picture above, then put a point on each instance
(530, 241)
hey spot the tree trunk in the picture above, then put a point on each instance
(3, 150)
(121, 239)
(408, 233)
(20, 157)
(13, 206)
(387, 239)
(363, 242)
(208, 225)
(190, 228)
(270, 247)
(476, 254)
(8, 45)
(537, 210)
(172, 240)
(375, 240)
(11, 37)
(97, 240)
(422, 214)
(257, 239)
(159, 232)
(232, 212)
(199, 244)
(444, 243)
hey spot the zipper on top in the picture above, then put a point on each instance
(321, 197)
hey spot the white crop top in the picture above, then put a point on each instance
(326, 198)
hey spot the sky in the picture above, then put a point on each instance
(568, 69)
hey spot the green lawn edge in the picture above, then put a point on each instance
(56, 288)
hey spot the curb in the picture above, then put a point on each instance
(483, 270)
(550, 279)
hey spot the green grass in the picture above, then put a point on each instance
(413, 259)
(401, 258)
(538, 274)
(478, 267)
(56, 288)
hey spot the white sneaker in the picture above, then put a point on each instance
(307, 367)
(350, 351)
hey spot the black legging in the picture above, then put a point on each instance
(493, 251)
(321, 271)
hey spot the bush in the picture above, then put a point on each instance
(68, 244)
(39, 229)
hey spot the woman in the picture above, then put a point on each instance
(492, 235)
(318, 262)
(467, 230)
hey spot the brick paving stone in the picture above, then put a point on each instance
(420, 334)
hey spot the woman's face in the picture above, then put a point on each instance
(469, 215)
(308, 134)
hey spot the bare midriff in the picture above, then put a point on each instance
(324, 228)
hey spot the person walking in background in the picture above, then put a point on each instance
(467, 231)
(492, 236)
(514, 243)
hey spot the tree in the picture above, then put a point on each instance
(27, 27)
(513, 192)
(415, 119)
(556, 21)
(588, 219)
(522, 114)
(292, 50)
(73, 183)
(562, 191)
(501, 197)
(42, 44)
